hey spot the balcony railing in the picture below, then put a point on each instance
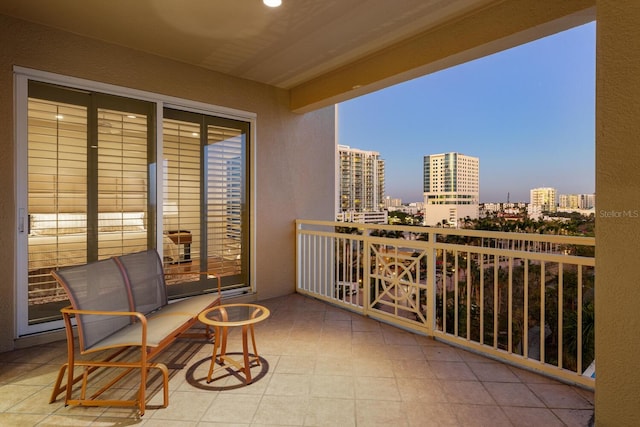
(527, 299)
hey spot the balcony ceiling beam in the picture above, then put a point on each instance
(499, 26)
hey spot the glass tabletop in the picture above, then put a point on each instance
(234, 314)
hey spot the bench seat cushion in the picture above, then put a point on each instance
(191, 305)
(160, 324)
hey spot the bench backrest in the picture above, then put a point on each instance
(132, 282)
(145, 276)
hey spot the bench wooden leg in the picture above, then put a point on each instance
(57, 389)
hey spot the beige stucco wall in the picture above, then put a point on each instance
(295, 153)
(617, 223)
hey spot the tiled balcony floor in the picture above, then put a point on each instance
(323, 366)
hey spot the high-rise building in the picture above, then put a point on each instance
(360, 180)
(451, 188)
(544, 199)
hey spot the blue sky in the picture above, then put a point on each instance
(528, 113)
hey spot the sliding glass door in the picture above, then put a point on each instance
(88, 160)
(205, 199)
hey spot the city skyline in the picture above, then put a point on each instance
(527, 113)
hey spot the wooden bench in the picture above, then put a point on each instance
(121, 308)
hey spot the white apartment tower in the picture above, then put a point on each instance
(451, 188)
(360, 180)
(543, 199)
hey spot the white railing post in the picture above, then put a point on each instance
(366, 281)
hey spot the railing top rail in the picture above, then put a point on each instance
(551, 238)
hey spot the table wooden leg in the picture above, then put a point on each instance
(223, 351)
(216, 343)
(245, 353)
(255, 350)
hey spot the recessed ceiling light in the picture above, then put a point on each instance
(59, 116)
(272, 3)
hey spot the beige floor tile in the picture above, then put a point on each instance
(337, 315)
(42, 375)
(185, 406)
(88, 411)
(469, 356)
(301, 347)
(330, 412)
(532, 417)
(232, 408)
(64, 421)
(481, 416)
(419, 389)
(373, 367)
(337, 325)
(337, 337)
(38, 403)
(334, 386)
(469, 392)
(574, 417)
(236, 384)
(531, 377)
(376, 388)
(367, 338)
(364, 324)
(295, 365)
(380, 413)
(20, 420)
(341, 349)
(332, 365)
(12, 394)
(560, 396)
(513, 394)
(420, 414)
(587, 394)
(369, 351)
(289, 385)
(496, 372)
(10, 372)
(146, 422)
(413, 368)
(282, 410)
(441, 353)
(455, 371)
(399, 337)
(404, 352)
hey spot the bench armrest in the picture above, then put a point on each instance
(67, 311)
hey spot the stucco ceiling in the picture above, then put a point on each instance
(282, 46)
(320, 50)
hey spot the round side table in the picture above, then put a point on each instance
(223, 317)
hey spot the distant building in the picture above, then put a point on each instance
(577, 201)
(380, 217)
(543, 199)
(451, 188)
(360, 180)
(391, 203)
